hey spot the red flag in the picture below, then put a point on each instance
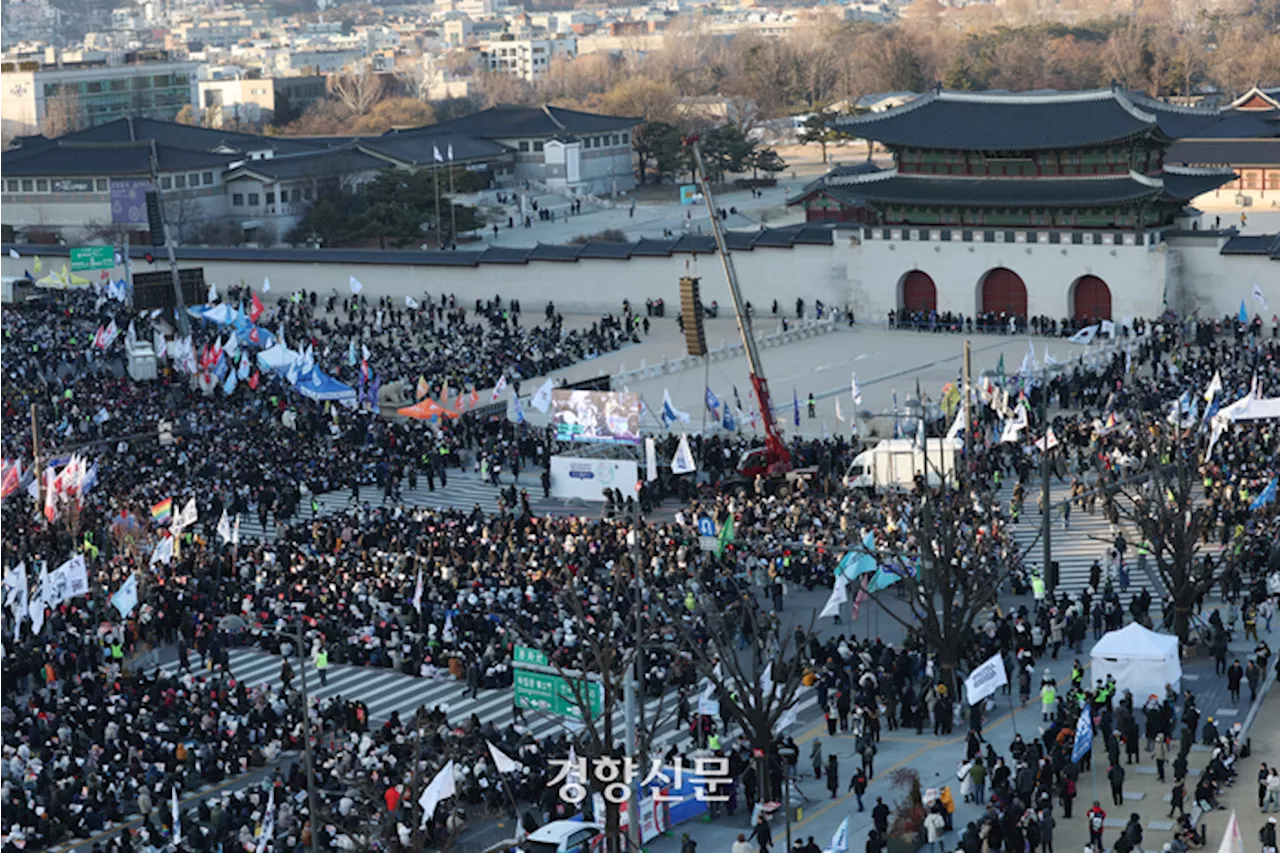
(457, 404)
(254, 337)
(860, 597)
(475, 397)
(253, 381)
(256, 308)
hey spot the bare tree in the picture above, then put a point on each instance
(63, 114)
(357, 90)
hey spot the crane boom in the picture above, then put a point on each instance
(779, 458)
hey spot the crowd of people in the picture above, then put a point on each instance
(95, 735)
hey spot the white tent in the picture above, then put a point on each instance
(1252, 408)
(1141, 661)
(277, 358)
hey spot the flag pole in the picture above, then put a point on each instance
(439, 223)
(453, 205)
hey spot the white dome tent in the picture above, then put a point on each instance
(1141, 661)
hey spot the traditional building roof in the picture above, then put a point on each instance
(506, 121)
(1253, 244)
(890, 187)
(974, 121)
(1257, 99)
(1236, 152)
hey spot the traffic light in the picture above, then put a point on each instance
(154, 218)
(695, 339)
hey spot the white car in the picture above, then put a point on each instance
(563, 836)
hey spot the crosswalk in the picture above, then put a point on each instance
(465, 491)
(386, 691)
(1087, 537)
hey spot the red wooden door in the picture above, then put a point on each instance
(1092, 299)
(919, 292)
(1003, 290)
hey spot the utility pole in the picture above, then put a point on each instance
(1046, 522)
(312, 809)
(968, 407)
(180, 304)
(35, 452)
(632, 707)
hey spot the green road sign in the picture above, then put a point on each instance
(551, 694)
(524, 654)
(93, 258)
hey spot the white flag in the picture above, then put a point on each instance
(224, 526)
(126, 597)
(682, 462)
(188, 516)
(67, 581)
(435, 150)
(266, 833)
(1215, 385)
(13, 253)
(212, 296)
(355, 285)
(1085, 336)
(442, 787)
(839, 595)
(35, 610)
(650, 460)
(16, 597)
(766, 679)
(857, 394)
(541, 399)
(163, 552)
(410, 302)
(502, 762)
(787, 719)
(1258, 297)
(957, 425)
(839, 414)
(159, 343)
(177, 818)
(1107, 328)
(669, 411)
(498, 389)
(235, 531)
(417, 592)
(985, 679)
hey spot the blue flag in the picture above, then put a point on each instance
(1084, 735)
(1267, 496)
(729, 423)
(795, 405)
(1243, 317)
(713, 404)
(862, 562)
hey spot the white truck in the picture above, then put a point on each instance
(894, 464)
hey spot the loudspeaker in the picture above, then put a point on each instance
(695, 339)
(155, 219)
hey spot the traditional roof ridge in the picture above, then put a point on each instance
(1130, 107)
(1254, 92)
(1030, 97)
(1020, 179)
(1165, 106)
(1173, 169)
(1146, 180)
(864, 178)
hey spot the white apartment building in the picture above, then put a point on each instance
(529, 59)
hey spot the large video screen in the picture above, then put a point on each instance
(603, 416)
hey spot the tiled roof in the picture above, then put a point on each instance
(893, 188)
(1236, 152)
(505, 121)
(1254, 244)
(1011, 122)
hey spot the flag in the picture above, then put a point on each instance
(1084, 735)
(423, 389)
(1085, 336)
(857, 394)
(650, 460)
(162, 511)
(235, 531)
(126, 597)
(13, 253)
(840, 838)
(255, 307)
(266, 284)
(435, 152)
(839, 414)
(229, 386)
(729, 423)
(682, 462)
(411, 303)
(497, 389)
(502, 762)
(457, 404)
(1232, 841)
(188, 516)
(355, 285)
(177, 819)
(957, 425)
(442, 787)
(884, 578)
(211, 296)
(1243, 316)
(449, 152)
(726, 535)
(253, 381)
(159, 344)
(1049, 360)
(670, 413)
(1265, 497)
(519, 408)
(17, 596)
(1108, 328)
(713, 403)
(985, 679)
(39, 265)
(266, 832)
(795, 405)
(859, 562)
(1215, 385)
(839, 595)
(224, 526)
(1258, 297)
(163, 552)
(11, 477)
(417, 593)
(541, 399)
(110, 334)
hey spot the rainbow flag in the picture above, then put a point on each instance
(163, 511)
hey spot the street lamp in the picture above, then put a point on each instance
(297, 636)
